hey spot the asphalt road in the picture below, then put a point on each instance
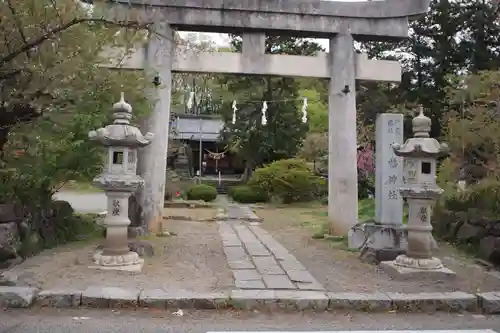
(84, 202)
(147, 321)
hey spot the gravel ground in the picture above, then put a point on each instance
(340, 270)
(88, 321)
(191, 260)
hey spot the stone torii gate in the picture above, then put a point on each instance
(341, 22)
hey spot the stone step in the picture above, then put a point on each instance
(298, 300)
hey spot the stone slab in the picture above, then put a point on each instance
(240, 264)
(456, 301)
(110, 297)
(279, 299)
(405, 273)
(246, 274)
(359, 301)
(235, 253)
(309, 286)
(59, 298)
(378, 237)
(245, 235)
(17, 297)
(153, 298)
(300, 276)
(302, 300)
(277, 282)
(252, 299)
(161, 299)
(278, 250)
(231, 242)
(257, 249)
(291, 264)
(229, 238)
(194, 300)
(249, 284)
(489, 302)
(268, 266)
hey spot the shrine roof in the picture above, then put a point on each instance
(188, 128)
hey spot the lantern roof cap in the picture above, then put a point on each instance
(421, 145)
(120, 133)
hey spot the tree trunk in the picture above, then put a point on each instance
(4, 134)
(248, 171)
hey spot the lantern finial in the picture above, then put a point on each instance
(421, 124)
(122, 111)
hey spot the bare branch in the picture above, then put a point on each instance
(18, 24)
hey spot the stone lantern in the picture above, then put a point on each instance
(419, 188)
(119, 181)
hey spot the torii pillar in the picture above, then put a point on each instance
(153, 159)
(342, 152)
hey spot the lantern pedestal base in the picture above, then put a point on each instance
(128, 262)
(405, 268)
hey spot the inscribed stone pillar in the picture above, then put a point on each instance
(153, 160)
(389, 169)
(342, 152)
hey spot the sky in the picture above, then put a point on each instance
(223, 39)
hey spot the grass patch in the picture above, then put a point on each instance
(366, 211)
(314, 217)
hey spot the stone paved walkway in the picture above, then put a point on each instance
(235, 211)
(258, 261)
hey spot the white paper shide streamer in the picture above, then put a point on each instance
(264, 109)
(190, 100)
(234, 112)
(304, 111)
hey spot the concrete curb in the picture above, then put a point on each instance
(295, 300)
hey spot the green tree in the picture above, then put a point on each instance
(472, 128)
(317, 110)
(315, 148)
(454, 37)
(282, 136)
(53, 92)
(49, 51)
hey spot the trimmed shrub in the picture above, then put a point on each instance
(289, 180)
(202, 192)
(248, 194)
